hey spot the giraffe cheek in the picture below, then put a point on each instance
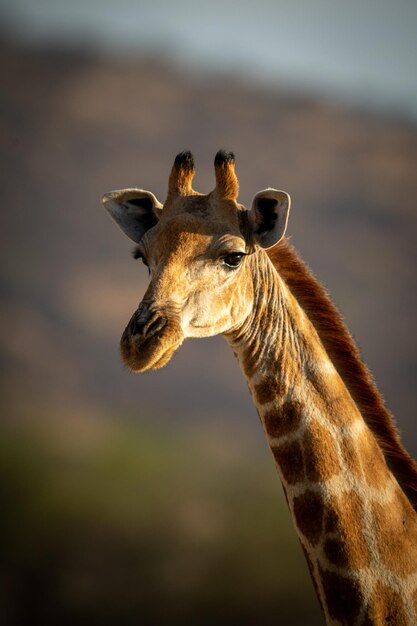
(205, 320)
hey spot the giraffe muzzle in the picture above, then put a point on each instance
(150, 339)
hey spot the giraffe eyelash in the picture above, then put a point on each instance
(137, 254)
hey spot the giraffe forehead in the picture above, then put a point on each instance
(195, 203)
(188, 235)
(209, 207)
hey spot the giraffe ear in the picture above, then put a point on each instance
(269, 216)
(134, 210)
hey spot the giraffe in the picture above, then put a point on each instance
(351, 488)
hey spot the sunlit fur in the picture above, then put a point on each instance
(356, 526)
(345, 356)
(353, 514)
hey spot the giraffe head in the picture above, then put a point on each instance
(197, 248)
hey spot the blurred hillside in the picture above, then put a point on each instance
(75, 126)
(153, 499)
(115, 524)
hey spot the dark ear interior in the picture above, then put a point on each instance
(134, 210)
(267, 209)
(145, 216)
(143, 202)
(269, 216)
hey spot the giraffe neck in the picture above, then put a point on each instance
(357, 529)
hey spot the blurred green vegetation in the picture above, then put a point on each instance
(116, 522)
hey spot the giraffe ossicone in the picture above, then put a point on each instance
(217, 268)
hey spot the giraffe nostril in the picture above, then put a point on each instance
(143, 314)
(134, 327)
(156, 326)
(139, 319)
(146, 322)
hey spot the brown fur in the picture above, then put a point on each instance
(397, 536)
(279, 423)
(343, 597)
(319, 467)
(309, 509)
(289, 457)
(395, 615)
(345, 356)
(182, 175)
(268, 389)
(348, 543)
(227, 185)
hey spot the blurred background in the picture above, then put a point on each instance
(153, 499)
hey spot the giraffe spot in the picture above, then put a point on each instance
(320, 454)
(387, 607)
(331, 522)
(269, 389)
(336, 552)
(343, 596)
(282, 421)
(289, 458)
(347, 546)
(309, 512)
(372, 460)
(397, 534)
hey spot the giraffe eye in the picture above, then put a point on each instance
(233, 260)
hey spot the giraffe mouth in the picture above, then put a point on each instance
(150, 345)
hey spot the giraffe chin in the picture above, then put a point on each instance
(141, 354)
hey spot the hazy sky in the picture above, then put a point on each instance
(365, 50)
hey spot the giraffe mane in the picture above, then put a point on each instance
(344, 354)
